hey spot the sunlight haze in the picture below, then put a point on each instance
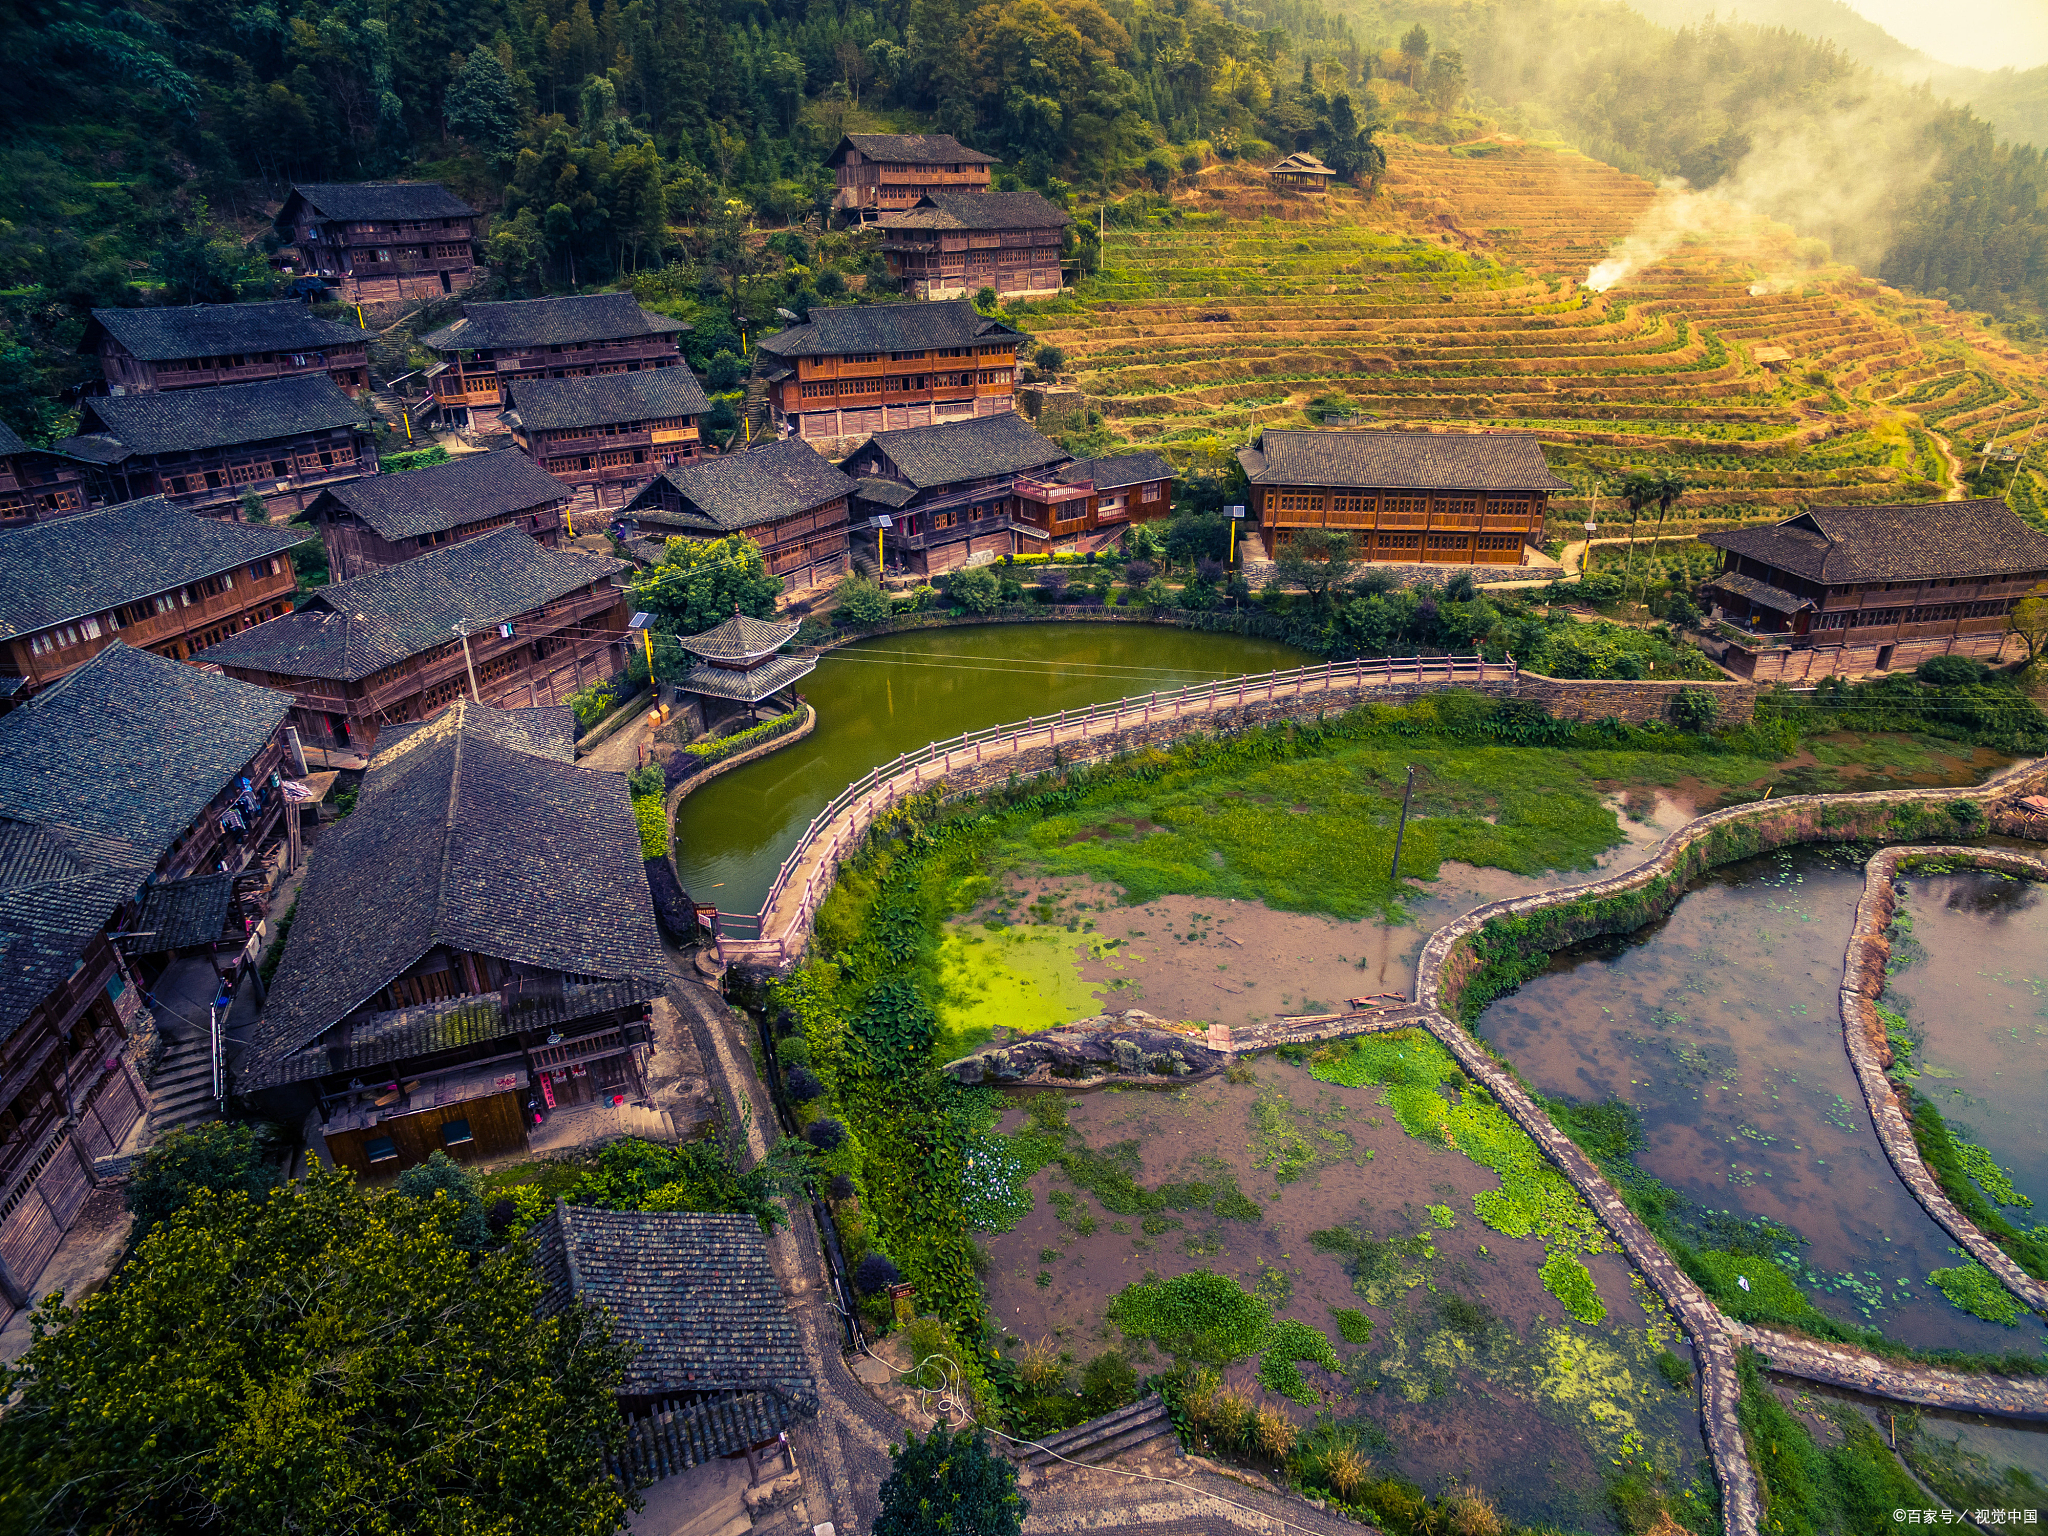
(1982, 34)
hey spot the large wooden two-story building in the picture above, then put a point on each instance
(142, 573)
(380, 520)
(1087, 505)
(949, 491)
(36, 483)
(200, 344)
(1841, 591)
(474, 949)
(203, 449)
(1434, 498)
(851, 371)
(954, 244)
(606, 436)
(385, 648)
(888, 172)
(495, 345)
(381, 242)
(782, 495)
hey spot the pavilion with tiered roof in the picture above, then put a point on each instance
(738, 662)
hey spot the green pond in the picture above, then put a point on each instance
(879, 698)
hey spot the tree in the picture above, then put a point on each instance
(324, 1359)
(1445, 82)
(441, 1175)
(2029, 620)
(1640, 489)
(1415, 49)
(483, 105)
(949, 1485)
(975, 590)
(1318, 561)
(700, 583)
(219, 1158)
(863, 602)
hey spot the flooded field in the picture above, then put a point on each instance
(1970, 975)
(1720, 1025)
(1455, 1367)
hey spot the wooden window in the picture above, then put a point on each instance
(993, 376)
(1403, 511)
(823, 391)
(1397, 541)
(1154, 489)
(1498, 541)
(1450, 541)
(863, 386)
(944, 520)
(1300, 501)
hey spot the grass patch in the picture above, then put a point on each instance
(1847, 1491)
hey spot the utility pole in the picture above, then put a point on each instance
(1400, 832)
(461, 628)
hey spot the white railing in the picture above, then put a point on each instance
(1096, 719)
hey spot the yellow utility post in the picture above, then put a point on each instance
(1235, 514)
(644, 622)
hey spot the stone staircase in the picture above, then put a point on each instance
(181, 1094)
(1099, 1439)
(754, 412)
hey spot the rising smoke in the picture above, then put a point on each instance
(1844, 179)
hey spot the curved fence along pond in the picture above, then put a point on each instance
(878, 699)
(1969, 972)
(1720, 1026)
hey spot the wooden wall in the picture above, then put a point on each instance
(498, 1123)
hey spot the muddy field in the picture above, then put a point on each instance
(1472, 1375)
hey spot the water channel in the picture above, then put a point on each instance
(882, 697)
(1970, 973)
(1720, 1025)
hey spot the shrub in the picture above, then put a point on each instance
(1273, 1432)
(253, 510)
(723, 372)
(1050, 359)
(742, 741)
(1693, 709)
(221, 1158)
(974, 591)
(1108, 1382)
(646, 781)
(1951, 671)
(1039, 1369)
(986, 299)
(875, 1273)
(441, 1175)
(841, 1187)
(801, 1084)
(827, 1135)
(651, 813)
(863, 602)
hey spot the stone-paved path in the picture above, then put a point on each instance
(1930, 1386)
(1863, 1035)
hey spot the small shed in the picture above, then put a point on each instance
(738, 664)
(1303, 170)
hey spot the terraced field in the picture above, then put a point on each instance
(1458, 297)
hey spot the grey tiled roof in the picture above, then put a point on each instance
(177, 913)
(886, 493)
(93, 448)
(979, 210)
(913, 149)
(218, 330)
(740, 637)
(652, 394)
(550, 322)
(1777, 599)
(371, 202)
(1847, 545)
(917, 327)
(1436, 461)
(694, 1290)
(743, 490)
(9, 443)
(360, 626)
(180, 420)
(71, 567)
(752, 685)
(546, 730)
(463, 838)
(1300, 164)
(132, 746)
(1117, 471)
(962, 450)
(464, 490)
(55, 897)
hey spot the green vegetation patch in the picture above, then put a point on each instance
(1849, 1490)
(1979, 1292)
(1212, 1320)
(1026, 977)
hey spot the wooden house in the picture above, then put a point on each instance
(717, 1368)
(606, 436)
(887, 172)
(782, 495)
(1303, 170)
(380, 520)
(102, 807)
(1437, 498)
(850, 371)
(1841, 591)
(200, 344)
(387, 648)
(474, 949)
(381, 242)
(495, 345)
(204, 448)
(954, 244)
(143, 573)
(1086, 505)
(37, 483)
(947, 490)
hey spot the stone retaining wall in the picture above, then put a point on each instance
(1863, 1035)
(1930, 1386)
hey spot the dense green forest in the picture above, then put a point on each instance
(645, 137)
